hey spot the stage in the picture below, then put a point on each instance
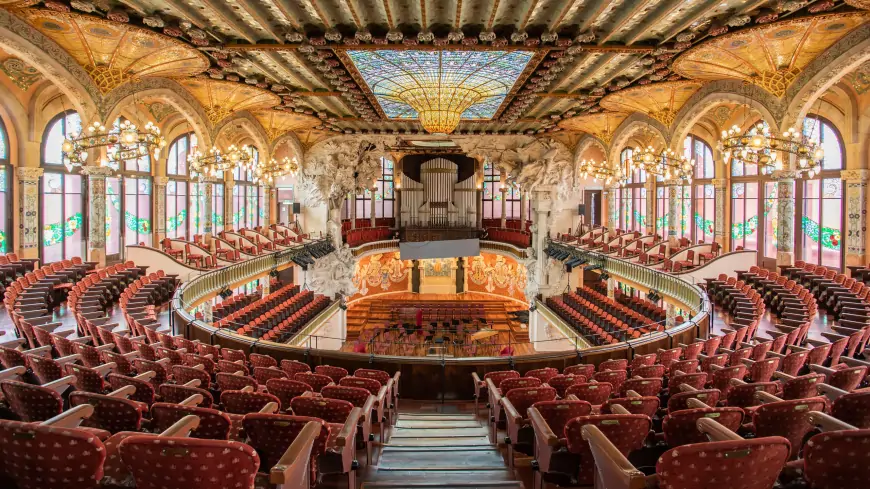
(469, 324)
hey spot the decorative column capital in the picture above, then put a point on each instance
(719, 183)
(32, 175)
(161, 181)
(94, 171)
(855, 176)
(784, 175)
(674, 182)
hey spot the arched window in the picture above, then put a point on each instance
(491, 192)
(633, 216)
(247, 197)
(703, 210)
(177, 211)
(821, 213)
(753, 206)
(5, 192)
(129, 196)
(62, 220)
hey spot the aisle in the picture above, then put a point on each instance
(439, 450)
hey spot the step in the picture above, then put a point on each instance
(435, 417)
(478, 431)
(443, 479)
(443, 441)
(442, 485)
(437, 424)
(423, 460)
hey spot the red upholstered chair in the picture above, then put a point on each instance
(272, 434)
(179, 393)
(626, 431)
(167, 248)
(644, 387)
(265, 361)
(516, 403)
(679, 401)
(34, 402)
(335, 373)
(113, 413)
(593, 393)
(614, 377)
(233, 382)
(833, 459)
(788, 419)
(285, 389)
(316, 381)
(680, 427)
(548, 420)
(713, 253)
(264, 374)
(562, 382)
(293, 367)
(480, 387)
(213, 424)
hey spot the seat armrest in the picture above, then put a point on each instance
(831, 392)
(182, 427)
(614, 469)
(828, 423)
(346, 436)
(68, 359)
(511, 413)
(12, 373)
(543, 432)
(715, 431)
(61, 384)
(124, 392)
(70, 418)
(766, 397)
(293, 467)
(106, 368)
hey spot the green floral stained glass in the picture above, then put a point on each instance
(2, 242)
(748, 228)
(705, 224)
(639, 219)
(176, 221)
(53, 234)
(830, 236)
(218, 219)
(662, 222)
(132, 222)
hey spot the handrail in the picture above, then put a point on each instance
(562, 326)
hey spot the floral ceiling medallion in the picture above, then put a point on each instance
(770, 56)
(223, 98)
(661, 101)
(601, 125)
(114, 53)
(278, 123)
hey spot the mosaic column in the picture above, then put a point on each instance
(670, 315)
(267, 206)
(673, 209)
(611, 288)
(160, 215)
(504, 192)
(28, 210)
(785, 216)
(650, 206)
(856, 215)
(612, 209)
(208, 218)
(542, 203)
(351, 197)
(97, 211)
(719, 186)
(207, 312)
(373, 190)
(524, 202)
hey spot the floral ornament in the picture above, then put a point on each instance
(55, 233)
(395, 35)
(363, 35)
(56, 6)
(766, 16)
(830, 237)
(585, 37)
(118, 16)
(2, 242)
(822, 6)
(154, 22)
(83, 6)
(685, 36)
(333, 35)
(425, 36)
(176, 221)
(487, 36)
(173, 31)
(294, 36)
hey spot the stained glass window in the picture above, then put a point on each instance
(771, 219)
(141, 164)
(492, 194)
(695, 148)
(62, 216)
(741, 169)
(196, 222)
(5, 194)
(137, 211)
(822, 221)
(744, 215)
(246, 196)
(705, 212)
(823, 133)
(176, 209)
(397, 77)
(662, 199)
(113, 216)
(176, 163)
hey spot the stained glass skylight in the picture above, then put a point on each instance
(474, 81)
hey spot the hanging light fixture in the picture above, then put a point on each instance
(126, 140)
(759, 147)
(203, 166)
(665, 163)
(601, 171)
(269, 172)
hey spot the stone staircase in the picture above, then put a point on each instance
(446, 451)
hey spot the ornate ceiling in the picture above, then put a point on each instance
(338, 66)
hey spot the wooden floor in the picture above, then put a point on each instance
(374, 313)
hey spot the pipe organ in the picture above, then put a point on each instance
(438, 199)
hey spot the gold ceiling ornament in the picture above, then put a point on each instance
(211, 164)
(861, 4)
(277, 123)
(123, 141)
(270, 171)
(308, 138)
(661, 101)
(223, 98)
(770, 55)
(601, 125)
(16, 4)
(114, 53)
(602, 171)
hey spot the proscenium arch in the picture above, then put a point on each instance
(26, 43)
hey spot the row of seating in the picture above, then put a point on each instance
(516, 237)
(634, 319)
(196, 399)
(581, 322)
(646, 408)
(515, 224)
(13, 267)
(232, 304)
(644, 307)
(257, 308)
(287, 318)
(360, 236)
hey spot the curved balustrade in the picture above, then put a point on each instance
(441, 376)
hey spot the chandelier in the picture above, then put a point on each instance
(203, 166)
(440, 107)
(123, 142)
(666, 163)
(757, 146)
(268, 172)
(601, 171)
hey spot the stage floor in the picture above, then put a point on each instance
(371, 324)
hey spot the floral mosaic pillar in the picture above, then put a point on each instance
(207, 312)
(542, 203)
(524, 202)
(611, 288)
(612, 208)
(267, 206)
(720, 186)
(28, 178)
(674, 189)
(504, 192)
(372, 202)
(208, 218)
(97, 211)
(670, 315)
(650, 206)
(785, 216)
(160, 215)
(856, 215)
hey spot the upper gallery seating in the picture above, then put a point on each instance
(599, 319)
(277, 315)
(359, 236)
(232, 304)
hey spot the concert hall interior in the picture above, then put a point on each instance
(373, 244)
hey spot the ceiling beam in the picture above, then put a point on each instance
(610, 48)
(598, 65)
(237, 25)
(596, 8)
(699, 13)
(284, 8)
(664, 9)
(624, 19)
(262, 18)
